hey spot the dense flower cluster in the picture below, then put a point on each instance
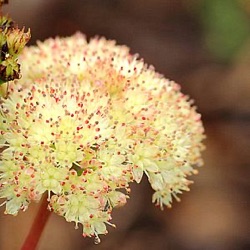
(86, 120)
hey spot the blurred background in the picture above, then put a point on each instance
(204, 45)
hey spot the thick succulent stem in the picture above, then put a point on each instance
(38, 226)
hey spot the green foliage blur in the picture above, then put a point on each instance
(226, 26)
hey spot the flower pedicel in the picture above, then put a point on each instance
(85, 120)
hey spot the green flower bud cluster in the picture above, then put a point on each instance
(12, 42)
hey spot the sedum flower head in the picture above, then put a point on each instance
(86, 120)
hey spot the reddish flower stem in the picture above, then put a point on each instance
(38, 225)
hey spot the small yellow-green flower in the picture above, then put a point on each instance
(12, 42)
(86, 120)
